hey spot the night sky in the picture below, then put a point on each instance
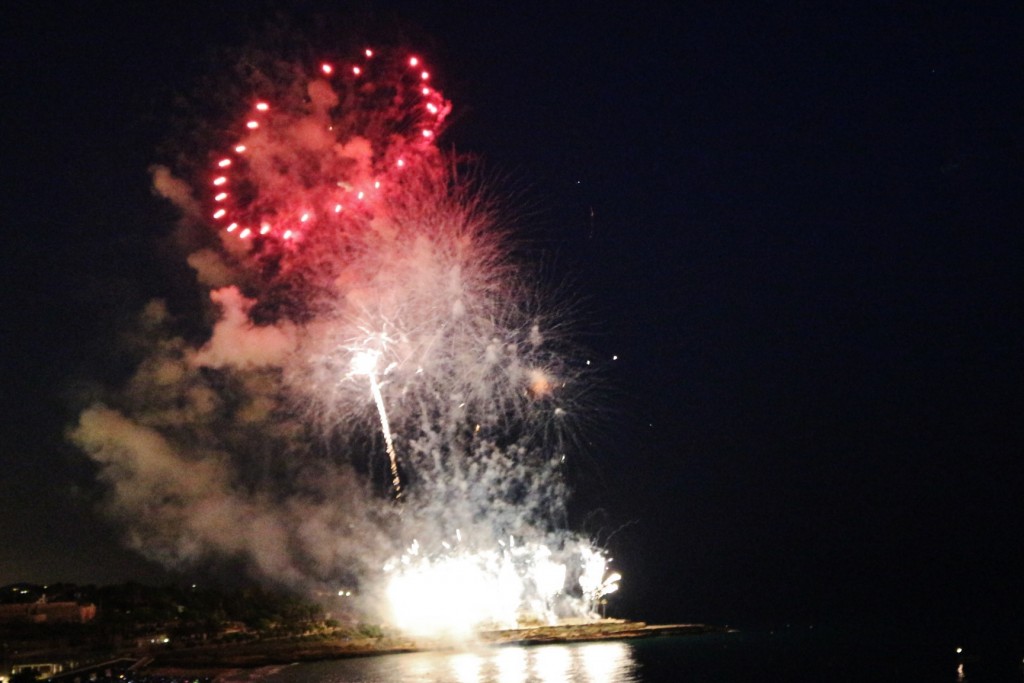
(798, 226)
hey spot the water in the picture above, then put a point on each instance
(796, 655)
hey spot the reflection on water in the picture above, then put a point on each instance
(466, 666)
(604, 662)
(512, 664)
(793, 656)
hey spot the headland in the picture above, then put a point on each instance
(211, 661)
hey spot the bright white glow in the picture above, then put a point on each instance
(452, 596)
(262, 106)
(467, 667)
(511, 664)
(219, 213)
(224, 163)
(365, 362)
(594, 579)
(456, 590)
(552, 663)
(610, 661)
(549, 576)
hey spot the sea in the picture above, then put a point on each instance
(794, 653)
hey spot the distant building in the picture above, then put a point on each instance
(42, 670)
(42, 612)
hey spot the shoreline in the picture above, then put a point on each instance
(217, 661)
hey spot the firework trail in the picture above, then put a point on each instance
(349, 251)
(365, 363)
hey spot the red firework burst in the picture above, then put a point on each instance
(302, 174)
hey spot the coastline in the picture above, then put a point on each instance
(216, 661)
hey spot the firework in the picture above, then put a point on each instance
(455, 589)
(308, 175)
(401, 277)
(356, 253)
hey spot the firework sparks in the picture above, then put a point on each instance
(456, 589)
(298, 164)
(365, 363)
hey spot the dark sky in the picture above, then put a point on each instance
(797, 224)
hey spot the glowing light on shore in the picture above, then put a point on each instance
(595, 581)
(455, 590)
(454, 596)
